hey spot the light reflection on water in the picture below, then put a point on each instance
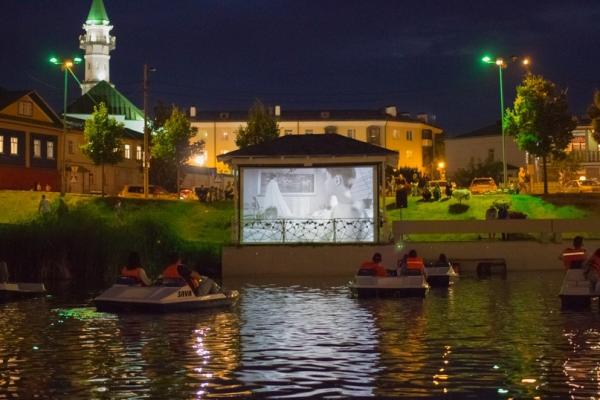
(479, 339)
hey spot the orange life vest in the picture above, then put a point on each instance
(132, 273)
(573, 258)
(377, 268)
(415, 263)
(171, 272)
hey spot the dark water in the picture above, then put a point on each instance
(480, 339)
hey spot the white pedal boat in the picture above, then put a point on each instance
(20, 290)
(576, 291)
(389, 286)
(125, 298)
(440, 276)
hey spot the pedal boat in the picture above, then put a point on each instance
(389, 286)
(576, 291)
(20, 290)
(122, 297)
(440, 276)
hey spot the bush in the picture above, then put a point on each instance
(458, 208)
(461, 194)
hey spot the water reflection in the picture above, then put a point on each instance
(480, 339)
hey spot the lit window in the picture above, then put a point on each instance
(409, 135)
(1, 144)
(14, 145)
(395, 134)
(26, 108)
(70, 146)
(138, 153)
(50, 150)
(352, 133)
(287, 132)
(127, 151)
(205, 134)
(225, 135)
(308, 131)
(37, 148)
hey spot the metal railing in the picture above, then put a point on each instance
(586, 155)
(298, 230)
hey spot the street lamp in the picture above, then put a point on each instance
(501, 63)
(146, 153)
(65, 65)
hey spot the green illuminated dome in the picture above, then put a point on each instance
(97, 15)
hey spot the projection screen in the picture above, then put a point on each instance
(320, 205)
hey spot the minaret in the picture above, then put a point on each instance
(97, 43)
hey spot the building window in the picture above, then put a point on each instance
(37, 148)
(127, 151)
(308, 131)
(491, 154)
(330, 129)
(1, 144)
(25, 108)
(374, 135)
(409, 135)
(50, 150)
(70, 147)
(138, 153)
(351, 133)
(288, 132)
(14, 146)
(225, 135)
(395, 134)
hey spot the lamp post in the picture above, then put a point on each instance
(146, 153)
(501, 63)
(65, 66)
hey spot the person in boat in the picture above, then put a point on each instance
(414, 263)
(592, 270)
(177, 273)
(134, 270)
(442, 261)
(574, 257)
(373, 267)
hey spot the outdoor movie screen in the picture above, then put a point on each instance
(292, 205)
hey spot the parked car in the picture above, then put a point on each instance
(483, 185)
(188, 193)
(581, 186)
(154, 192)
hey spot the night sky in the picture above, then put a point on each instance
(422, 56)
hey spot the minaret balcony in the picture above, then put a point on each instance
(85, 41)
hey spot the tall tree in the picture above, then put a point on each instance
(594, 114)
(102, 135)
(262, 127)
(162, 172)
(172, 143)
(540, 120)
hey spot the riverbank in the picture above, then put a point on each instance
(91, 240)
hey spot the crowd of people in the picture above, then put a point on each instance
(419, 186)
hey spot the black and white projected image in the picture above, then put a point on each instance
(333, 204)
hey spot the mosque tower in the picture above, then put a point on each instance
(97, 43)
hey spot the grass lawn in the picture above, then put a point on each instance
(194, 221)
(534, 206)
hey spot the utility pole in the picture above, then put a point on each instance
(63, 172)
(146, 152)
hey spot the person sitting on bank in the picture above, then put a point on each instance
(373, 267)
(134, 270)
(592, 270)
(414, 263)
(574, 257)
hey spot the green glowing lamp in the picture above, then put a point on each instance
(54, 60)
(77, 60)
(487, 59)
